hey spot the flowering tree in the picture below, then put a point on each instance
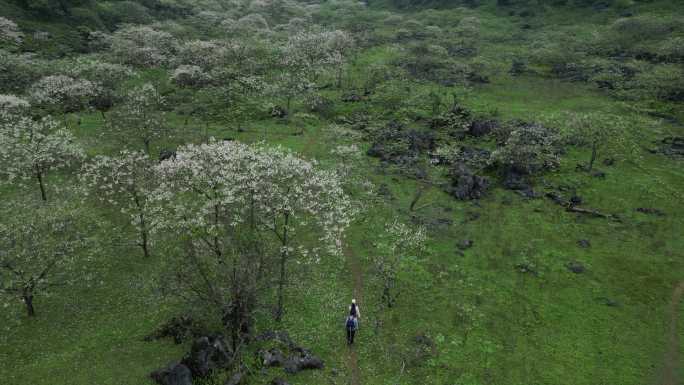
(12, 107)
(9, 32)
(127, 182)
(141, 117)
(143, 46)
(63, 94)
(31, 149)
(598, 131)
(220, 196)
(38, 251)
(308, 53)
(340, 45)
(204, 54)
(190, 76)
(398, 245)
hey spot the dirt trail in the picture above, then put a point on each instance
(357, 274)
(671, 362)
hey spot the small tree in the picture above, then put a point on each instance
(143, 46)
(63, 94)
(397, 245)
(12, 108)
(126, 181)
(141, 118)
(39, 251)
(527, 148)
(223, 196)
(9, 32)
(600, 132)
(31, 149)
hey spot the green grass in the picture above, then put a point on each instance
(552, 328)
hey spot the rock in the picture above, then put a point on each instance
(236, 379)
(671, 146)
(576, 267)
(527, 268)
(471, 216)
(272, 357)
(166, 154)
(575, 200)
(278, 112)
(208, 354)
(351, 98)
(514, 179)
(465, 185)
(651, 211)
(608, 161)
(174, 374)
(556, 198)
(479, 128)
(297, 363)
(465, 244)
(528, 193)
(279, 381)
(608, 302)
(179, 328)
(584, 243)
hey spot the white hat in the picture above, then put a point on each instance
(353, 301)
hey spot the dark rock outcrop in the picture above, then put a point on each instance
(174, 374)
(465, 185)
(576, 267)
(181, 329)
(208, 354)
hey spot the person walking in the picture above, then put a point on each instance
(351, 325)
(354, 309)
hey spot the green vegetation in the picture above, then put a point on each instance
(497, 183)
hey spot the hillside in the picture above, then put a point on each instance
(498, 184)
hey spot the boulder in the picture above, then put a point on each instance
(479, 128)
(576, 267)
(351, 98)
(297, 363)
(272, 357)
(174, 374)
(278, 112)
(465, 244)
(584, 243)
(465, 185)
(279, 381)
(166, 154)
(236, 379)
(208, 354)
(514, 179)
(651, 211)
(179, 328)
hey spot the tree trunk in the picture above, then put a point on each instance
(339, 77)
(283, 259)
(39, 176)
(28, 301)
(144, 243)
(594, 151)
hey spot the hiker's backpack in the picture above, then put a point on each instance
(352, 311)
(350, 323)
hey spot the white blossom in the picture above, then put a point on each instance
(9, 31)
(31, 149)
(143, 46)
(63, 92)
